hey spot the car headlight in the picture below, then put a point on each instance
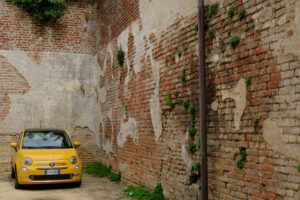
(27, 161)
(73, 160)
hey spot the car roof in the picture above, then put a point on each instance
(44, 129)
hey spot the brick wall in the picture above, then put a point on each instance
(263, 56)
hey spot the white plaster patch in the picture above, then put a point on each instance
(102, 94)
(215, 105)
(239, 95)
(128, 129)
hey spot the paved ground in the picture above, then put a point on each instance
(91, 189)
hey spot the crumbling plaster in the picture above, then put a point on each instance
(62, 94)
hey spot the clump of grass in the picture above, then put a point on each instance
(234, 41)
(256, 120)
(192, 112)
(192, 147)
(176, 93)
(192, 132)
(121, 56)
(186, 104)
(142, 194)
(230, 12)
(196, 27)
(241, 161)
(225, 25)
(115, 177)
(168, 99)
(98, 169)
(242, 13)
(211, 34)
(298, 168)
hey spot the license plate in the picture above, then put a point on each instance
(52, 172)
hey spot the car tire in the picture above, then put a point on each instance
(17, 185)
(12, 174)
(77, 184)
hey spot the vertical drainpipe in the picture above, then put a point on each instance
(204, 185)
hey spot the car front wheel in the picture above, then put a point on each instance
(12, 174)
(17, 185)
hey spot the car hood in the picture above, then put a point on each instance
(48, 154)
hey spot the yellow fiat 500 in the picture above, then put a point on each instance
(45, 156)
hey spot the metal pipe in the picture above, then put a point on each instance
(201, 41)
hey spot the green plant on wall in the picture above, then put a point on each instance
(213, 9)
(43, 10)
(192, 132)
(183, 76)
(248, 81)
(234, 41)
(186, 104)
(298, 168)
(121, 56)
(197, 168)
(242, 13)
(192, 112)
(241, 161)
(168, 99)
(230, 12)
(211, 34)
(192, 147)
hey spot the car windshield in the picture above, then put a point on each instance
(46, 140)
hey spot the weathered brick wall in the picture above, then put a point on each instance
(46, 74)
(262, 117)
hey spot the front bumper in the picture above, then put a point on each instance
(36, 175)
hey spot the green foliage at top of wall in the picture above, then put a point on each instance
(43, 10)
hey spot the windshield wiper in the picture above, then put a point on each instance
(30, 147)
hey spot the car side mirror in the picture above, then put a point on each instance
(77, 144)
(13, 145)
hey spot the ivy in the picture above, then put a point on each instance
(43, 10)
(241, 161)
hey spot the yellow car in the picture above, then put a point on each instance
(45, 156)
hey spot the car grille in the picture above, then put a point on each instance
(51, 177)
